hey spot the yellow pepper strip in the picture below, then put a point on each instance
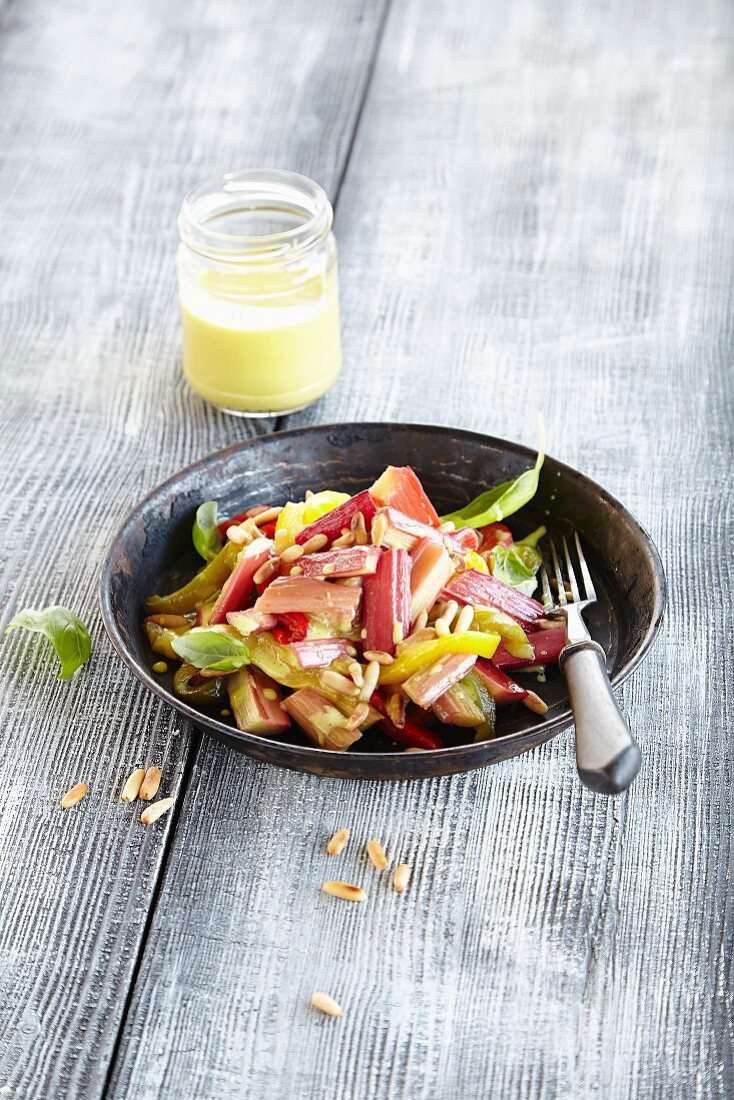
(418, 654)
(204, 584)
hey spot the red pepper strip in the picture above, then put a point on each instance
(413, 733)
(292, 627)
(268, 530)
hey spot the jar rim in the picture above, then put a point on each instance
(257, 188)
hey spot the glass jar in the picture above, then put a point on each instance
(257, 280)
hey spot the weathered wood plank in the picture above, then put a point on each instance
(110, 113)
(537, 214)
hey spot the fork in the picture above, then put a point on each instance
(607, 755)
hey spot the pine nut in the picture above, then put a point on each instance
(314, 544)
(421, 622)
(533, 702)
(268, 569)
(73, 795)
(401, 877)
(360, 713)
(397, 632)
(378, 655)
(296, 570)
(337, 842)
(267, 516)
(160, 667)
(157, 809)
(291, 553)
(344, 890)
(360, 531)
(337, 682)
(377, 854)
(237, 535)
(326, 1004)
(355, 671)
(330, 567)
(131, 790)
(447, 527)
(270, 693)
(414, 748)
(150, 784)
(379, 529)
(371, 678)
(344, 541)
(464, 620)
(442, 628)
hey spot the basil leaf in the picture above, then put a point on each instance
(207, 540)
(517, 565)
(204, 647)
(67, 634)
(495, 504)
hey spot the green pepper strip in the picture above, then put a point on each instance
(204, 584)
(418, 654)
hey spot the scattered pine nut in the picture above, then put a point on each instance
(421, 622)
(131, 790)
(464, 620)
(401, 877)
(533, 702)
(370, 680)
(344, 890)
(225, 712)
(267, 516)
(326, 1004)
(270, 693)
(378, 655)
(160, 667)
(441, 628)
(414, 748)
(337, 842)
(379, 529)
(308, 494)
(157, 809)
(151, 783)
(291, 553)
(447, 527)
(268, 569)
(377, 854)
(314, 544)
(397, 632)
(351, 651)
(296, 570)
(73, 795)
(328, 568)
(425, 634)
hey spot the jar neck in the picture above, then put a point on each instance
(254, 219)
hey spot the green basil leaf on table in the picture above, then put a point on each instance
(67, 634)
(206, 537)
(212, 649)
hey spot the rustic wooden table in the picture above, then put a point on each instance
(534, 209)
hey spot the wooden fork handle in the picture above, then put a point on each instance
(607, 755)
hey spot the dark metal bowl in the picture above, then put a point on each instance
(152, 552)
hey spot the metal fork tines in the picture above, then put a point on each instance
(607, 754)
(571, 600)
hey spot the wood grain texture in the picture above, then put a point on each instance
(110, 112)
(537, 213)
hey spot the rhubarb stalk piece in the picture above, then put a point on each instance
(353, 561)
(320, 720)
(238, 587)
(501, 687)
(400, 487)
(547, 646)
(255, 701)
(431, 569)
(320, 652)
(311, 596)
(333, 522)
(428, 684)
(482, 589)
(386, 614)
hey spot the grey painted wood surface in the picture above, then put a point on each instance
(538, 199)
